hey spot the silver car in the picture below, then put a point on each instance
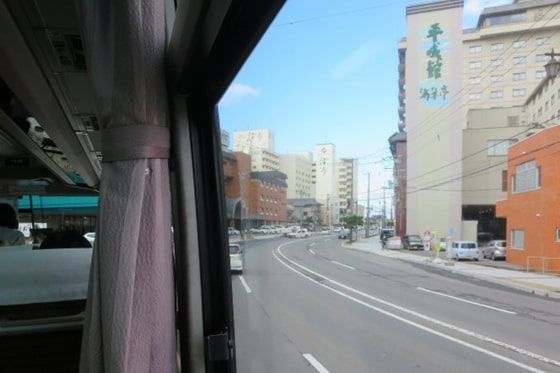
(236, 258)
(495, 249)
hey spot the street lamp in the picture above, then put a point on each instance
(552, 67)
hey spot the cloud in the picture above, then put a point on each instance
(359, 57)
(474, 7)
(237, 92)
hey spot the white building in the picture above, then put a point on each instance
(224, 138)
(259, 144)
(347, 185)
(326, 191)
(297, 167)
(247, 141)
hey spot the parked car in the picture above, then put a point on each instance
(443, 244)
(337, 229)
(412, 242)
(300, 233)
(393, 243)
(344, 234)
(495, 249)
(236, 258)
(386, 233)
(232, 232)
(464, 250)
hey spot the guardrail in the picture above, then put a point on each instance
(544, 261)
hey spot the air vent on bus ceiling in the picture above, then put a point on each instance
(69, 50)
(90, 122)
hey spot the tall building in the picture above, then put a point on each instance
(224, 138)
(325, 183)
(297, 167)
(247, 141)
(347, 185)
(461, 94)
(259, 144)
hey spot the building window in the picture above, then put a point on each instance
(497, 62)
(557, 234)
(508, 18)
(519, 76)
(519, 92)
(504, 180)
(517, 60)
(475, 65)
(517, 239)
(543, 40)
(496, 94)
(527, 177)
(496, 78)
(475, 80)
(519, 43)
(498, 147)
(474, 96)
(540, 74)
(541, 58)
(497, 47)
(475, 49)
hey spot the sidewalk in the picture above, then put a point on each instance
(545, 285)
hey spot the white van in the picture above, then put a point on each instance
(464, 250)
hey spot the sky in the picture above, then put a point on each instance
(326, 71)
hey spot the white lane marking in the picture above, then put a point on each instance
(412, 323)
(312, 244)
(315, 364)
(469, 333)
(311, 251)
(244, 283)
(342, 264)
(467, 301)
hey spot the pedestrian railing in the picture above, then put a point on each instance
(544, 262)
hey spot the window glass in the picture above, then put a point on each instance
(540, 74)
(541, 58)
(519, 60)
(519, 43)
(543, 40)
(496, 78)
(499, 147)
(474, 80)
(496, 94)
(518, 92)
(519, 76)
(517, 239)
(475, 49)
(497, 46)
(475, 64)
(526, 178)
(497, 62)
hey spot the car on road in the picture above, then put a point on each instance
(236, 258)
(232, 232)
(412, 242)
(393, 243)
(344, 234)
(464, 250)
(299, 233)
(495, 249)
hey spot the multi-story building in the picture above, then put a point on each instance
(397, 144)
(247, 141)
(325, 183)
(347, 185)
(237, 179)
(449, 76)
(224, 138)
(259, 144)
(297, 167)
(267, 201)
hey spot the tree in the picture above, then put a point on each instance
(351, 222)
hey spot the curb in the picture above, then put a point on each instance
(540, 292)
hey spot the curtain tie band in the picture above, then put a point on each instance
(124, 143)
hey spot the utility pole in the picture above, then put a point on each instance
(384, 212)
(367, 210)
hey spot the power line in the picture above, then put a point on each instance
(338, 14)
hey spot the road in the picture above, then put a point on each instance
(312, 306)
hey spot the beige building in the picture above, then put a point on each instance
(297, 167)
(259, 144)
(347, 185)
(500, 62)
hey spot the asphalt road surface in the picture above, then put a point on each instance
(308, 305)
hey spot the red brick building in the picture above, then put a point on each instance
(533, 201)
(267, 200)
(237, 177)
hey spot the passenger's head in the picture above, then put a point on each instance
(8, 218)
(65, 240)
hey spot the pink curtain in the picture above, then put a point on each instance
(130, 315)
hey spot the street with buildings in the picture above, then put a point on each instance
(315, 305)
